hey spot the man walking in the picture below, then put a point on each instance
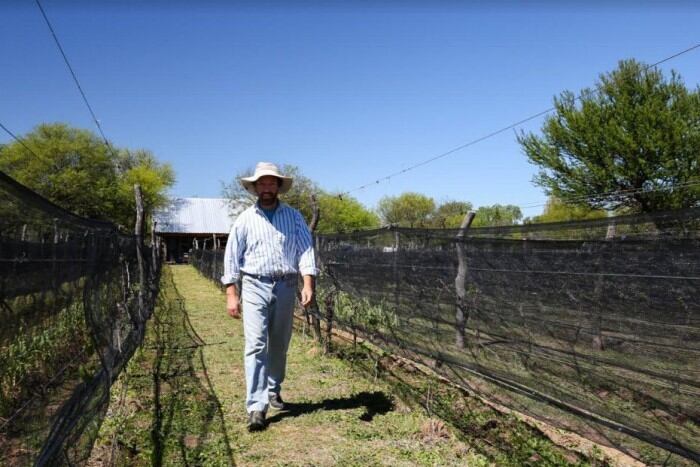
(269, 245)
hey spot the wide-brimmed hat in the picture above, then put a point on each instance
(261, 170)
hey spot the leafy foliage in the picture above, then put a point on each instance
(557, 211)
(344, 215)
(75, 169)
(338, 214)
(497, 215)
(637, 133)
(407, 210)
(450, 214)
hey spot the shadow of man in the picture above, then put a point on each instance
(375, 403)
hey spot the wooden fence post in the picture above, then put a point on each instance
(598, 338)
(138, 231)
(330, 312)
(461, 312)
(311, 314)
(395, 267)
(155, 250)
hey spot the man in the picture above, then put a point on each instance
(269, 245)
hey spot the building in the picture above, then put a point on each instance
(192, 223)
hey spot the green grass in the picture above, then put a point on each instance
(181, 402)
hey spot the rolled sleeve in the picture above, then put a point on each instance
(232, 256)
(307, 259)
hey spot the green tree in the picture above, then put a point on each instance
(407, 210)
(497, 215)
(450, 214)
(336, 214)
(344, 215)
(637, 134)
(74, 169)
(298, 196)
(154, 177)
(557, 211)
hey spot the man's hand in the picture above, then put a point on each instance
(307, 292)
(233, 302)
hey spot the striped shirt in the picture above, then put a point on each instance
(268, 248)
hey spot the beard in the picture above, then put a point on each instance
(267, 198)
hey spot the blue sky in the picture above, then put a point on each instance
(348, 93)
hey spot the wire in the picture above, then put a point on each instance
(75, 77)
(497, 132)
(611, 194)
(523, 271)
(19, 140)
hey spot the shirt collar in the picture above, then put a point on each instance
(279, 207)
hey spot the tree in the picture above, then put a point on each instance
(450, 214)
(344, 214)
(557, 211)
(497, 215)
(75, 169)
(299, 195)
(155, 178)
(337, 215)
(407, 210)
(637, 134)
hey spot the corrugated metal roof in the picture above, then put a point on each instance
(197, 216)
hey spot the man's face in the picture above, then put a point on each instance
(267, 188)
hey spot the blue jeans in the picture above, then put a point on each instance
(268, 314)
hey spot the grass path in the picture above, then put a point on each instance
(181, 400)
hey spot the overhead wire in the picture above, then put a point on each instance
(497, 132)
(610, 194)
(75, 77)
(18, 139)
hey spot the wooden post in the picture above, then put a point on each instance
(138, 231)
(610, 234)
(461, 312)
(330, 312)
(213, 245)
(154, 255)
(315, 213)
(311, 314)
(395, 267)
(54, 254)
(598, 338)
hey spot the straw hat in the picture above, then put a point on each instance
(261, 170)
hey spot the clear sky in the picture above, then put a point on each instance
(347, 91)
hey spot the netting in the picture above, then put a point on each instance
(74, 298)
(210, 263)
(592, 326)
(596, 319)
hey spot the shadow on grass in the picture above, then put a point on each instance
(188, 425)
(375, 403)
(501, 438)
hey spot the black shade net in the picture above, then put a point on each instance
(592, 326)
(595, 319)
(74, 298)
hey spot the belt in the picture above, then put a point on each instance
(277, 278)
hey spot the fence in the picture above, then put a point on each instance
(74, 295)
(593, 326)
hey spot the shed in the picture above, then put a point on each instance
(191, 223)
